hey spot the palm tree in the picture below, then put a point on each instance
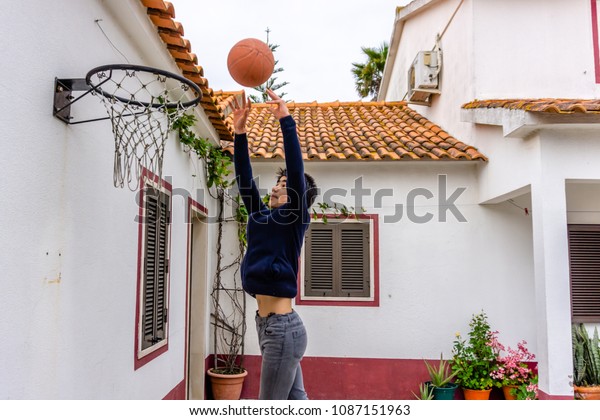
(368, 75)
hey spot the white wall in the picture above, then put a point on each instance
(499, 49)
(69, 249)
(513, 49)
(520, 51)
(583, 202)
(456, 77)
(433, 276)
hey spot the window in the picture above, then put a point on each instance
(154, 272)
(339, 261)
(596, 36)
(584, 261)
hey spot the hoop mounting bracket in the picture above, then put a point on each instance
(63, 98)
(99, 76)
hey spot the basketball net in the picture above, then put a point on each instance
(142, 106)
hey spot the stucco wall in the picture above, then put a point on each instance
(499, 50)
(583, 202)
(433, 276)
(520, 51)
(514, 49)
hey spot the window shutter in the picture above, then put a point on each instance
(151, 221)
(319, 260)
(162, 269)
(584, 259)
(354, 263)
(155, 267)
(337, 260)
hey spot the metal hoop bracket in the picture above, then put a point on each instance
(63, 98)
(64, 88)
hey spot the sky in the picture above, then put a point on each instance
(318, 40)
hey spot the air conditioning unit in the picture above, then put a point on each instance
(423, 78)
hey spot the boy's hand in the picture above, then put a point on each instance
(240, 115)
(278, 107)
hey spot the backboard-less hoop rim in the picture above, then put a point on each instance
(134, 67)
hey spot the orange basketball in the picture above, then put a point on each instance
(250, 62)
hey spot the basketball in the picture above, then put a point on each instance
(250, 62)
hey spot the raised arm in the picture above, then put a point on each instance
(295, 184)
(241, 159)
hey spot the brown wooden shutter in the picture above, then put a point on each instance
(354, 264)
(155, 267)
(584, 260)
(337, 260)
(319, 260)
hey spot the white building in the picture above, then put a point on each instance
(498, 59)
(72, 248)
(467, 204)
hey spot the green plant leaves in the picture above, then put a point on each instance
(475, 359)
(441, 375)
(217, 163)
(586, 356)
(336, 211)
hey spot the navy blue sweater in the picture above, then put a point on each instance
(275, 236)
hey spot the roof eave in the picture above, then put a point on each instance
(517, 123)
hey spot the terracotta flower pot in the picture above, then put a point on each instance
(587, 392)
(477, 394)
(227, 387)
(506, 389)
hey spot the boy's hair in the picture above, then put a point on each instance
(311, 185)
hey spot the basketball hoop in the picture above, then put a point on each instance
(142, 104)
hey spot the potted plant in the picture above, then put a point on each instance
(586, 363)
(513, 371)
(228, 315)
(527, 391)
(474, 359)
(440, 380)
(425, 392)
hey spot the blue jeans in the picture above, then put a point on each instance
(282, 340)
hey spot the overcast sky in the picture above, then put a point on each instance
(318, 40)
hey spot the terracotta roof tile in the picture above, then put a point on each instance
(175, 40)
(162, 14)
(549, 105)
(183, 55)
(328, 131)
(160, 6)
(166, 23)
(356, 131)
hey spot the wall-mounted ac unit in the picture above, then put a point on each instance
(423, 80)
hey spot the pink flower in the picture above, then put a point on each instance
(512, 368)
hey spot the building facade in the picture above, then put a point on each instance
(505, 71)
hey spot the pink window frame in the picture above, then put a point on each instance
(141, 361)
(595, 35)
(300, 300)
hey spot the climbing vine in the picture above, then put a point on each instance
(335, 211)
(217, 162)
(228, 315)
